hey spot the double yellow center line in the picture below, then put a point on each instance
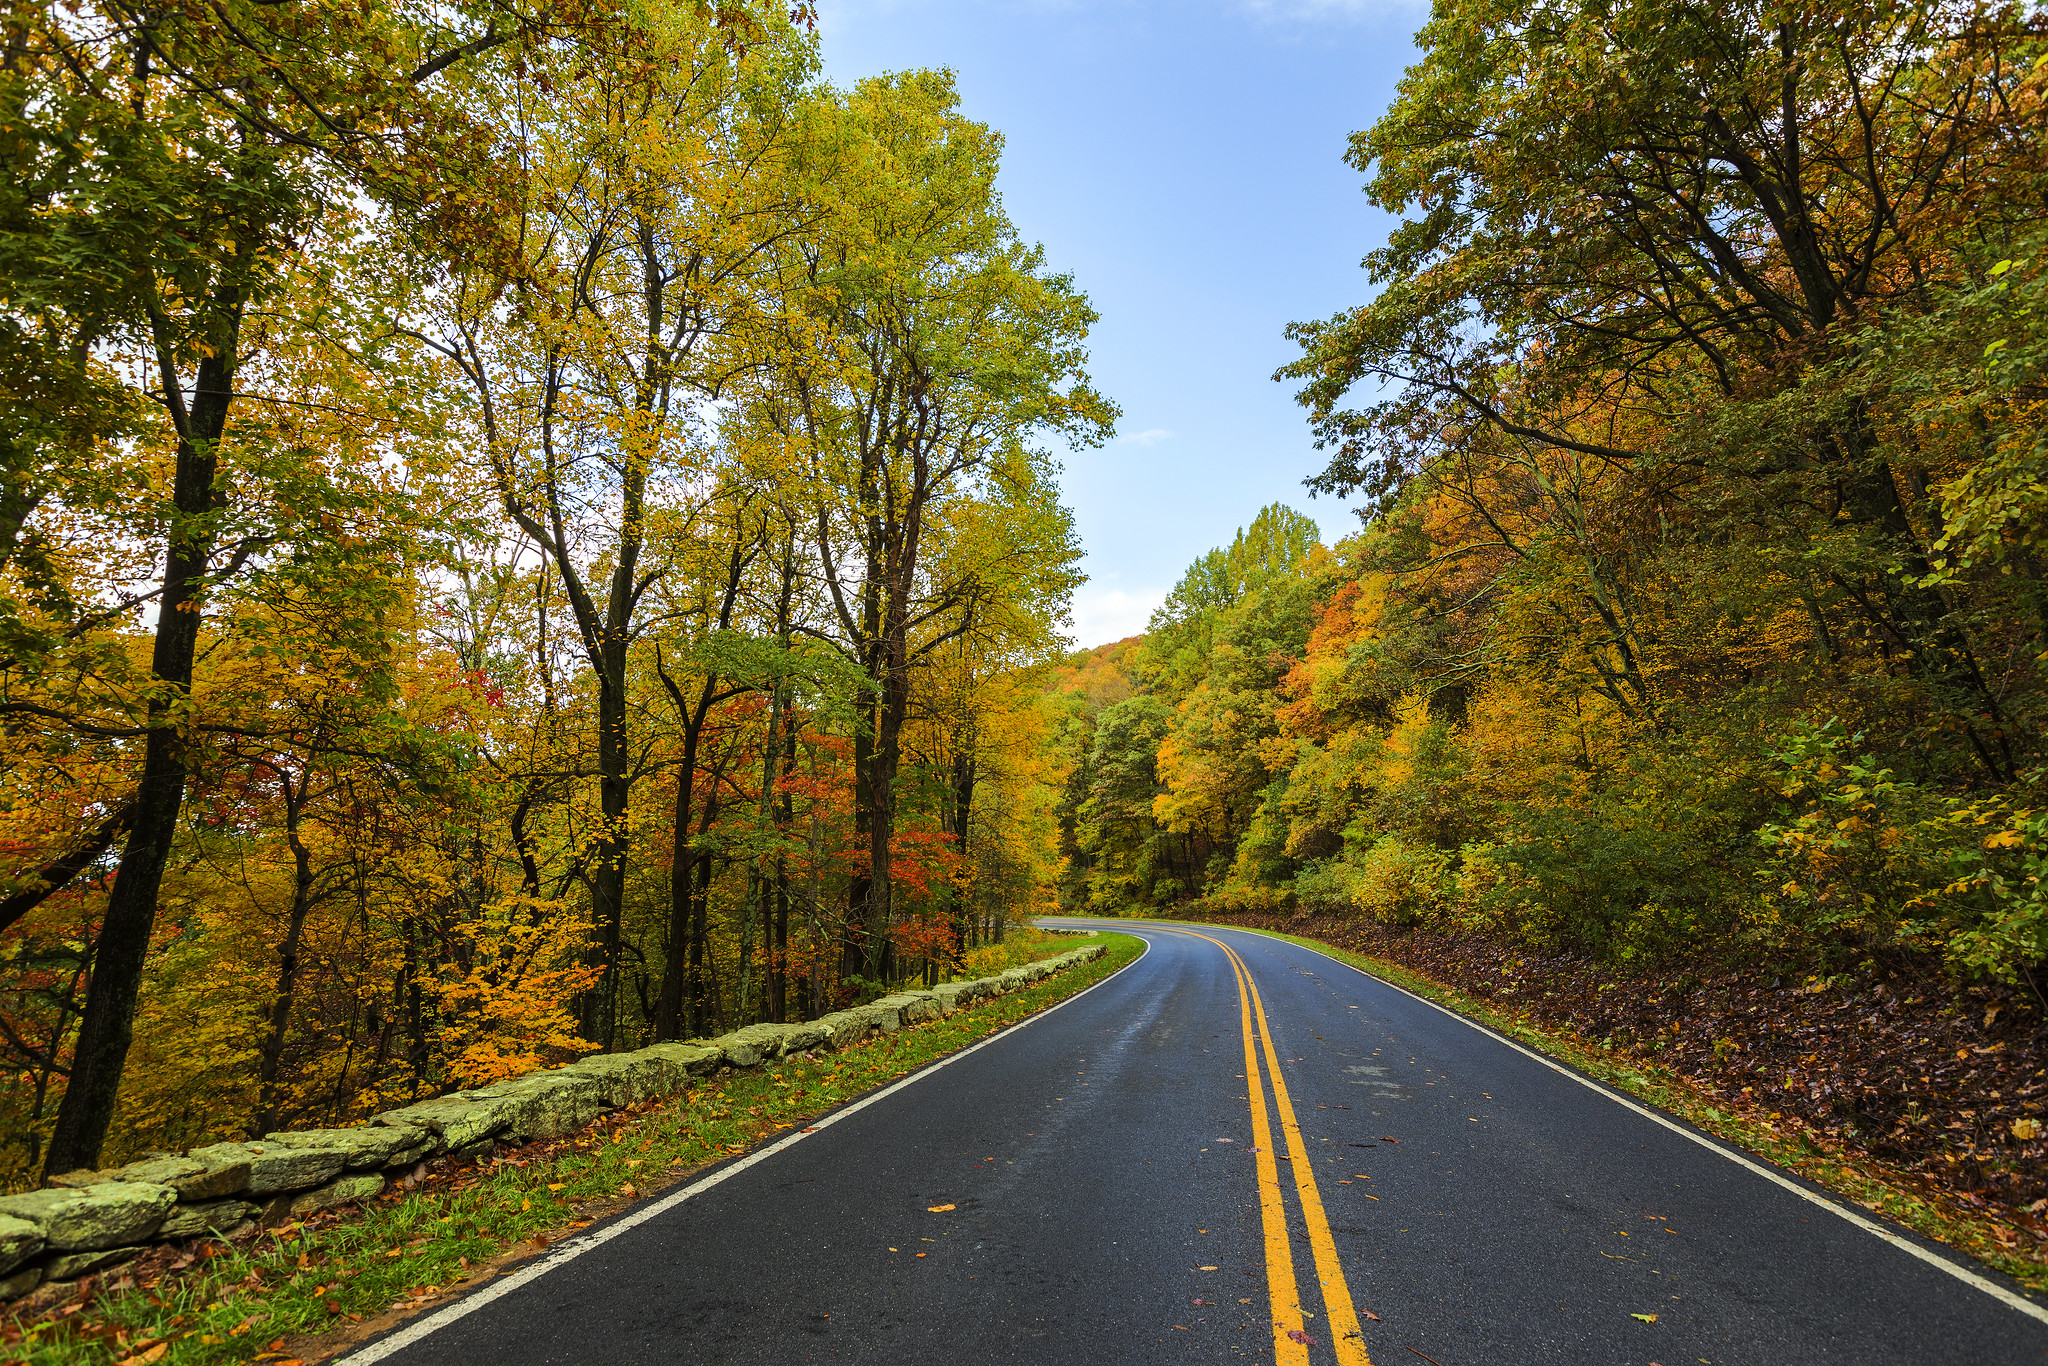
(1340, 1318)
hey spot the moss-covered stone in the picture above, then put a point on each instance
(225, 1168)
(366, 1145)
(546, 1104)
(632, 1078)
(843, 1028)
(456, 1121)
(213, 1219)
(801, 1038)
(162, 1171)
(750, 1046)
(71, 1265)
(110, 1214)
(19, 1241)
(360, 1186)
(696, 1058)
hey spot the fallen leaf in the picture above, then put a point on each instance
(938, 1209)
(1205, 1268)
(554, 1185)
(1646, 1318)
(1303, 1338)
(1369, 1314)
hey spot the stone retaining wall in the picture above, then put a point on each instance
(87, 1221)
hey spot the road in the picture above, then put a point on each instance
(1239, 1150)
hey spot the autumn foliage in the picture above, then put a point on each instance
(520, 533)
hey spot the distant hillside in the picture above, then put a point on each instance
(1101, 676)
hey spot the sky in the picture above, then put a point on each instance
(1184, 162)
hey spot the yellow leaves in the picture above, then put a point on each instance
(2005, 839)
(939, 1209)
(2026, 1130)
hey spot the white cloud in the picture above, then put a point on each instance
(1151, 436)
(1103, 616)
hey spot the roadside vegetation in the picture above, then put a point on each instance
(1682, 684)
(522, 532)
(302, 1291)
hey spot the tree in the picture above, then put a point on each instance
(1625, 215)
(651, 201)
(923, 345)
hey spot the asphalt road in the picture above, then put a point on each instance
(1400, 1187)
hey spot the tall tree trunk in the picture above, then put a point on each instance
(270, 1095)
(670, 1009)
(101, 1053)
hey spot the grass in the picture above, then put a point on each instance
(1851, 1175)
(294, 1291)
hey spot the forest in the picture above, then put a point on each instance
(522, 531)
(1696, 618)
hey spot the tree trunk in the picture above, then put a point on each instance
(270, 1098)
(101, 1053)
(669, 1012)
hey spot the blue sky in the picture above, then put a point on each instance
(1184, 162)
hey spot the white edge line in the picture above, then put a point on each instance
(571, 1248)
(1961, 1273)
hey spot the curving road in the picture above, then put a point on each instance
(1239, 1150)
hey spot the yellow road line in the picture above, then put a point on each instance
(1340, 1313)
(1280, 1286)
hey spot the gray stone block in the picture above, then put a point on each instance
(225, 1168)
(696, 1058)
(71, 1265)
(843, 1028)
(19, 1241)
(362, 1186)
(281, 1167)
(456, 1121)
(802, 1038)
(18, 1283)
(632, 1078)
(161, 1171)
(881, 1016)
(545, 1104)
(106, 1215)
(366, 1145)
(213, 1219)
(747, 1047)
(80, 1179)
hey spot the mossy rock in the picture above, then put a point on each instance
(107, 1215)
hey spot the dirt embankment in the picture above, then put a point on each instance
(1946, 1085)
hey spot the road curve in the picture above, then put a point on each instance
(1239, 1150)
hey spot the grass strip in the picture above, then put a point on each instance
(1855, 1177)
(282, 1295)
